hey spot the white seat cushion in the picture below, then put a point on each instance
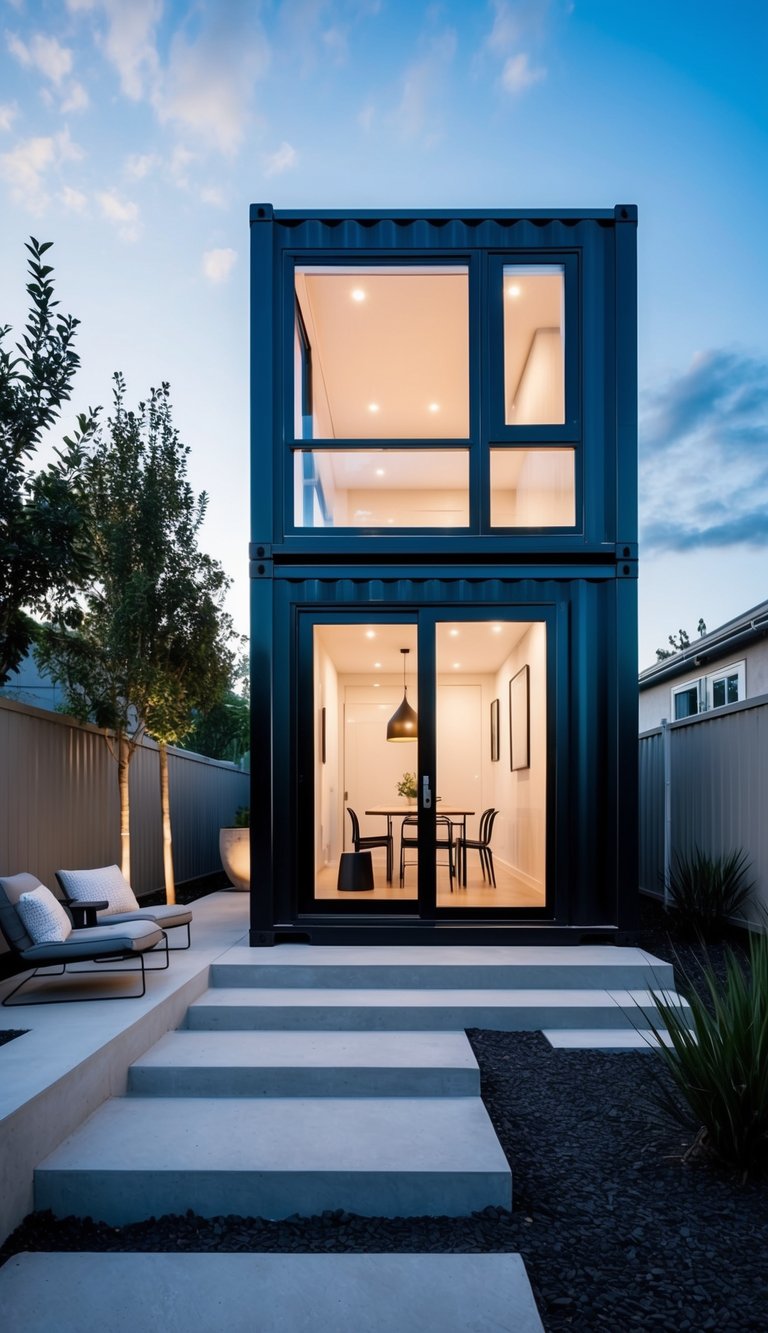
(94, 886)
(45, 920)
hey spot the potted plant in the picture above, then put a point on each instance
(407, 787)
(235, 850)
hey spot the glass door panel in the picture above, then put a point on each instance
(491, 738)
(360, 678)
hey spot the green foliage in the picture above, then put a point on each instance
(45, 552)
(223, 730)
(242, 817)
(407, 785)
(679, 641)
(151, 643)
(719, 1063)
(704, 890)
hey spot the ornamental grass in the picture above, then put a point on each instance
(706, 890)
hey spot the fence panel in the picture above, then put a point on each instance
(59, 802)
(719, 786)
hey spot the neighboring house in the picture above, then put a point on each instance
(443, 449)
(31, 686)
(723, 667)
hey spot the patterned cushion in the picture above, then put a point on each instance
(94, 886)
(44, 918)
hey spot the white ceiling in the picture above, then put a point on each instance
(478, 647)
(533, 299)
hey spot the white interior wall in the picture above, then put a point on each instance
(519, 836)
(328, 775)
(539, 397)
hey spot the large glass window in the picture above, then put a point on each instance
(533, 488)
(378, 488)
(534, 344)
(381, 353)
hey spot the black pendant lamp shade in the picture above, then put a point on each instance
(403, 724)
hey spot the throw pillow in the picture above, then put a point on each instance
(94, 886)
(45, 920)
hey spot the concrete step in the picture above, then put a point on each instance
(307, 1064)
(258, 1008)
(269, 1293)
(588, 967)
(139, 1157)
(595, 1039)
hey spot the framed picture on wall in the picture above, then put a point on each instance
(322, 734)
(494, 731)
(519, 720)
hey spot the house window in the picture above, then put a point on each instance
(381, 488)
(533, 488)
(725, 686)
(384, 351)
(534, 344)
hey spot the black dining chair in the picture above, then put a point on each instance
(480, 844)
(445, 842)
(364, 844)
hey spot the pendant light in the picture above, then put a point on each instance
(403, 724)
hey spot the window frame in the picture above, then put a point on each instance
(704, 685)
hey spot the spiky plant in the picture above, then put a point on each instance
(705, 890)
(717, 1058)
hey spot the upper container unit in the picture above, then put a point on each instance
(446, 385)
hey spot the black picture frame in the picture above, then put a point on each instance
(494, 731)
(519, 720)
(322, 735)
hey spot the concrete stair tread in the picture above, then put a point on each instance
(298, 997)
(335, 1063)
(587, 1039)
(270, 1293)
(274, 1157)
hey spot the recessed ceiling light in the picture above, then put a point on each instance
(496, 629)
(513, 290)
(434, 407)
(454, 633)
(370, 634)
(390, 521)
(377, 684)
(377, 666)
(456, 666)
(373, 407)
(358, 294)
(379, 472)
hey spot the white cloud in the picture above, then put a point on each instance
(73, 200)
(207, 89)
(218, 264)
(129, 39)
(25, 168)
(281, 160)
(211, 194)
(139, 165)
(367, 116)
(122, 213)
(8, 113)
(421, 85)
(518, 74)
(76, 99)
(43, 53)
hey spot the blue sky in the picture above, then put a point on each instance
(135, 133)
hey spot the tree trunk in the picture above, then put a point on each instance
(165, 806)
(123, 761)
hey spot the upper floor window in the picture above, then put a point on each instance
(381, 352)
(534, 344)
(727, 685)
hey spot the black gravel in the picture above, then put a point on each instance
(10, 1034)
(618, 1233)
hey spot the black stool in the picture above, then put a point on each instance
(355, 873)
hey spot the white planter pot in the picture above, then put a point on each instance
(235, 853)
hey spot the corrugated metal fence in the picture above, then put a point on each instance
(718, 790)
(59, 801)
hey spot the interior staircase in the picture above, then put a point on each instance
(313, 1078)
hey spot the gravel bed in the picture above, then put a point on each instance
(618, 1233)
(10, 1034)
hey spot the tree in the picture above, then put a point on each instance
(152, 639)
(222, 731)
(678, 642)
(44, 548)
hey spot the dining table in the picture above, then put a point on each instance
(455, 813)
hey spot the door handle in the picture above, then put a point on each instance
(426, 794)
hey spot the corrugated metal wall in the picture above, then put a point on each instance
(719, 790)
(59, 802)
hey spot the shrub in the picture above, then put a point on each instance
(718, 1059)
(242, 817)
(704, 890)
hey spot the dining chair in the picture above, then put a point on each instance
(364, 844)
(445, 842)
(480, 844)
